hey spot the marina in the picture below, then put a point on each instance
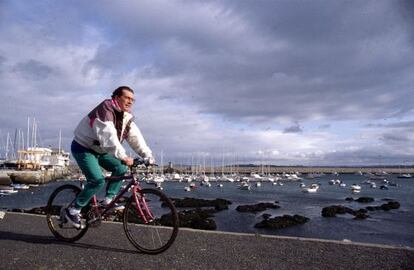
(393, 227)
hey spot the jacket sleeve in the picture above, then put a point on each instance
(137, 142)
(108, 139)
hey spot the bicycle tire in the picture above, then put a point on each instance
(163, 228)
(57, 200)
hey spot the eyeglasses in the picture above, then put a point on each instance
(129, 99)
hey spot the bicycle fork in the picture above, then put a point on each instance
(142, 207)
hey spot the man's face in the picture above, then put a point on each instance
(126, 100)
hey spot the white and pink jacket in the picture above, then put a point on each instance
(104, 129)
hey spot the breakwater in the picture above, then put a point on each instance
(8, 177)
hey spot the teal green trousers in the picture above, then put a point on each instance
(90, 164)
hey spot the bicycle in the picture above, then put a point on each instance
(150, 220)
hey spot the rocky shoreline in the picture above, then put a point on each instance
(362, 213)
(199, 213)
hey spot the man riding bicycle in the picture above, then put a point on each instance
(98, 143)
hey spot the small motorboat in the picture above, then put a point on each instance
(158, 186)
(311, 189)
(404, 175)
(7, 190)
(244, 186)
(355, 188)
(20, 186)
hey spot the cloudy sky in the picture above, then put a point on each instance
(284, 82)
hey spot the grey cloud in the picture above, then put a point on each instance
(251, 62)
(399, 138)
(2, 61)
(338, 62)
(407, 12)
(324, 126)
(34, 70)
(293, 129)
(330, 65)
(403, 124)
(400, 124)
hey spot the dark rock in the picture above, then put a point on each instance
(365, 199)
(332, 210)
(373, 208)
(195, 218)
(361, 214)
(37, 211)
(17, 210)
(329, 211)
(394, 205)
(349, 199)
(266, 216)
(390, 205)
(282, 222)
(256, 207)
(218, 204)
(386, 206)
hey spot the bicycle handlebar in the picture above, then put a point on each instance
(142, 161)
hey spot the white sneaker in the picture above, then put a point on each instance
(115, 206)
(73, 216)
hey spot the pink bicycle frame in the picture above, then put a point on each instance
(140, 202)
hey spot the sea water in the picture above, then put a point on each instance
(394, 227)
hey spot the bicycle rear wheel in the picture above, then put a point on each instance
(160, 232)
(63, 197)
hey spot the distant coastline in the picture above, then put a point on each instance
(272, 169)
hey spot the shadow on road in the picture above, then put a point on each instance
(37, 239)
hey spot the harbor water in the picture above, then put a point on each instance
(394, 227)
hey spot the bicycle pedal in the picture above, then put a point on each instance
(83, 226)
(94, 222)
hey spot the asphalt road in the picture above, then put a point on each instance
(26, 243)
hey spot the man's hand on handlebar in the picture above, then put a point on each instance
(149, 161)
(128, 161)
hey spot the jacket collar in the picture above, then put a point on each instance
(115, 105)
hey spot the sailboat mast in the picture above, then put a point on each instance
(34, 132)
(28, 133)
(60, 139)
(7, 146)
(162, 162)
(15, 144)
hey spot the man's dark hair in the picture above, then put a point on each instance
(118, 92)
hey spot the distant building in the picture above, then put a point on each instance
(41, 158)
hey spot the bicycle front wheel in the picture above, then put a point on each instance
(160, 231)
(63, 197)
